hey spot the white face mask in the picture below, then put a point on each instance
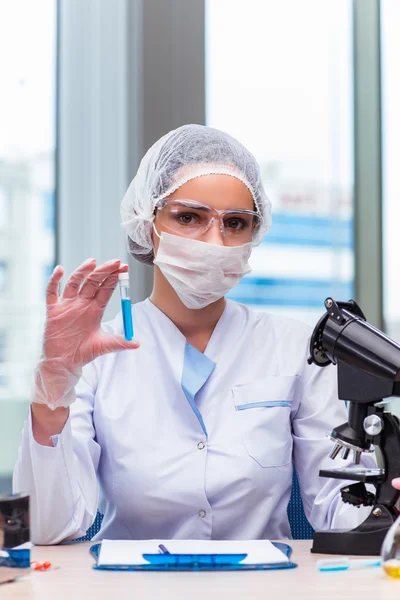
(199, 272)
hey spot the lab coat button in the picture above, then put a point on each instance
(202, 513)
(201, 445)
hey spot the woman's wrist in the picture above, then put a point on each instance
(47, 422)
(54, 384)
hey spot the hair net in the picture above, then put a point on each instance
(179, 156)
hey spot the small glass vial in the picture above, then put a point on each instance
(123, 279)
(390, 552)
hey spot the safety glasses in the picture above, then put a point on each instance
(193, 219)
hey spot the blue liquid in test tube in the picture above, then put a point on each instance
(126, 306)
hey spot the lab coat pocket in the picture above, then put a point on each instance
(263, 413)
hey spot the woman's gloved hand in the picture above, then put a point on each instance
(72, 335)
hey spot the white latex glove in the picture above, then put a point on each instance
(72, 335)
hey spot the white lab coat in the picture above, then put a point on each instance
(159, 464)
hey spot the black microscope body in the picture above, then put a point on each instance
(368, 367)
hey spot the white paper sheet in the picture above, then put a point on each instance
(129, 552)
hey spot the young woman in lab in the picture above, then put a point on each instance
(193, 430)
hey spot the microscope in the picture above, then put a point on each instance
(368, 368)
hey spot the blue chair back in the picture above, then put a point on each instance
(300, 527)
(93, 529)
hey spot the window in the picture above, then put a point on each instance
(27, 244)
(390, 24)
(3, 340)
(49, 210)
(3, 277)
(293, 110)
(4, 208)
(3, 345)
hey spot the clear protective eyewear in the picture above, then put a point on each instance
(189, 218)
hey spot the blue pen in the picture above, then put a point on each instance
(123, 279)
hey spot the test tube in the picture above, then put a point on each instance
(123, 279)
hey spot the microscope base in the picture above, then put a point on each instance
(364, 540)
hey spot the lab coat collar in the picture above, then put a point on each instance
(218, 341)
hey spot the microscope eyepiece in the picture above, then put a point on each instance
(343, 334)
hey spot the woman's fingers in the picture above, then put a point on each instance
(78, 277)
(92, 283)
(53, 285)
(396, 483)
(114, 343)
(105, 291)
(88, 281)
